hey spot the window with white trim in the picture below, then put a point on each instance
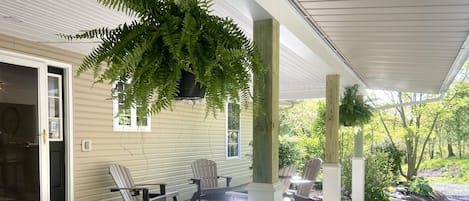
(128, 119)
(232, 131)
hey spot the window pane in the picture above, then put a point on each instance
(54, 128)
(233, 116)
(233, 150)
(133, 117)
(53, 85)
(120, 86)
(54, 107)
(124, 120)
(233, 143)
(232, 137)
(124, 115)
(142, 119)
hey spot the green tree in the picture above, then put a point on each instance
(302, 130)
(457, 123)
(415, 123)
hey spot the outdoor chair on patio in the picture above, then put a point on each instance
(285, 176)
(206, 179)
(305, 184)
(136, 192)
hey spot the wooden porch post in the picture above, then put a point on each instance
(265, 186)
(331, 183)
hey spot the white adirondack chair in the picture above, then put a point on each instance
(285, 175)
(310, 172)
(206, 179)
(131, 191)
(306, 182)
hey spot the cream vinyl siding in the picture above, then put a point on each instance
(176, 139)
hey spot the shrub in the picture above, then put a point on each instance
(288, 153)
(310, 147)
(420, 186)
(378, 176)
(394, 156)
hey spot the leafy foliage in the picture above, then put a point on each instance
(378, 176)
(420, 186)
(395, 157)
(353, 111)
(168, 37)
(287, 153)
(302, 130)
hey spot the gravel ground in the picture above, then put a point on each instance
(454, 192)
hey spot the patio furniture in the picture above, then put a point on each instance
(305, 184)
(206, 178)
(131, 191)
(285, 175)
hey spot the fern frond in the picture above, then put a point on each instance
(170, 36)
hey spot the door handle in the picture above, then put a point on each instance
(44, 135)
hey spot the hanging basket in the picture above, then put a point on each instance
(189, 89)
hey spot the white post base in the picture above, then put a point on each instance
(331, 185)
(358, 179)
(265, 192)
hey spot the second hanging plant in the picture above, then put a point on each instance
(353, 111)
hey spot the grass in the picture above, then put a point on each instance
(452, 170)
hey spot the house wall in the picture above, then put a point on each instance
(177, 137)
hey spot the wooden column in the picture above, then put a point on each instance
(332, 118)
(266, 118)
(331, 167)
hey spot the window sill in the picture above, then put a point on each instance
(131, 129)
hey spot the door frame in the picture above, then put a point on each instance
(41, 64)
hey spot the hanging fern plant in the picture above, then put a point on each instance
(167, 38)
(354, 111)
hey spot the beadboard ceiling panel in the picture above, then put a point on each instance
(302, 73)
(402, 45)
(405, 45)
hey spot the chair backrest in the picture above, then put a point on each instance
(206, 171)
(123, 179)
(310, 172)
(285, 176)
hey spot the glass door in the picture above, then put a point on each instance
(23, 141)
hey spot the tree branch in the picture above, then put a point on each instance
(390, 138)
(426, 139)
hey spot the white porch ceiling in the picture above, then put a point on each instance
(394, 45)
(401, 45)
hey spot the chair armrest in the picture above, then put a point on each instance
(196, 182)
(162, 187)
(228, 180)
(135, 190)
(285, 177)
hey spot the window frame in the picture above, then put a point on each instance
(133, 127)
(228, 130)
